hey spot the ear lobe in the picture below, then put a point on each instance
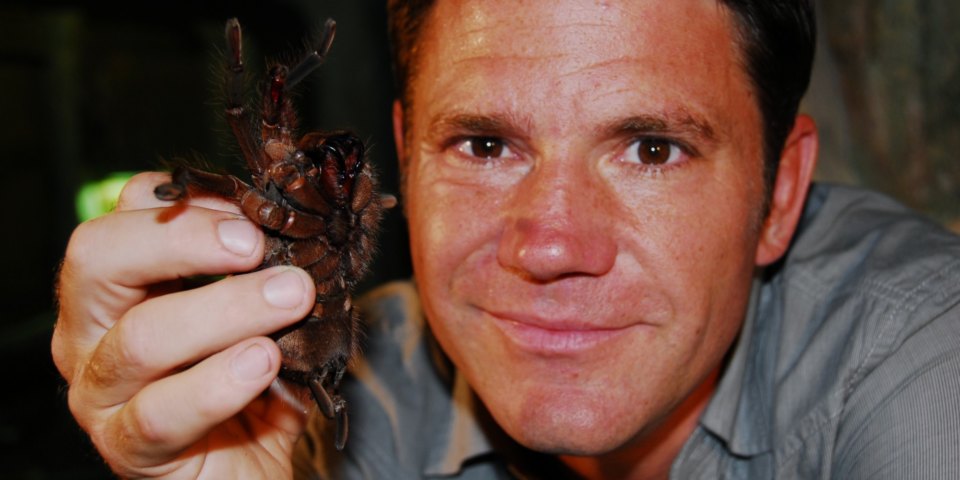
(794, 174)
(398, 133)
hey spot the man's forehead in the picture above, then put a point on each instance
(679, 46)
(579, 29)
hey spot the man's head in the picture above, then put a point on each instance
(584, 182)
(776, 38)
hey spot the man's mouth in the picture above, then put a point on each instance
(554, 336)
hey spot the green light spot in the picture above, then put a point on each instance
(99, 197)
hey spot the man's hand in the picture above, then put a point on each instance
(168, 382)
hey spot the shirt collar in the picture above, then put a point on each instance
(469, 434)
(740, 412)
(472, 435)
(464, 438)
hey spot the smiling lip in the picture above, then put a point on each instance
(555, 337)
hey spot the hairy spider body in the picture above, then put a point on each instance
(317, 200)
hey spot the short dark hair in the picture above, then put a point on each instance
(778, 38)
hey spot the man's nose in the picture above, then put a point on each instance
(558, 225)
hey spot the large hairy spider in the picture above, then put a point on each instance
(316, 199)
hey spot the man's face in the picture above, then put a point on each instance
(584, 192)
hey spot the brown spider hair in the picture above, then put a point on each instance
(778, 39)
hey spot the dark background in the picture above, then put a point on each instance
(89, 88)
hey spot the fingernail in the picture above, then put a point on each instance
(252, 363)
(238, 236)
(284, 290)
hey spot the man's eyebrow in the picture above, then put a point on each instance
(682, 123)
(493, 125)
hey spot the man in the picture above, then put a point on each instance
(600, 198)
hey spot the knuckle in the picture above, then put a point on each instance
(77, 405)
(84, 250)
(81, 241)
(132, 347)
(117, 439)
(62, 358)
(99, 372)
(117, 357)
(83, 405)
(143, 424)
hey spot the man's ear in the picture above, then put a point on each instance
(794, 174)
(398, 133)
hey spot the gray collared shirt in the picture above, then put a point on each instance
(847, 366)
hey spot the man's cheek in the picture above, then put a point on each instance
(454, 222)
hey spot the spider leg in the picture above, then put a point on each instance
(274, 216)
(316, 256)
(277, 111)
(332, 408)
(254, 204)
(237, 116)
(343, 424)
(319, 176)
(314, 59)
(185, 178)
(279, 120)
(320, 394)
(300, 189)
(235, 69)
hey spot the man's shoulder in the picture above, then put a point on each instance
(868, 300)
(862, 250)
(863, 275)
(390, 307)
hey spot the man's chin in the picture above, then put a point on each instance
(578, 443)
(566, 426)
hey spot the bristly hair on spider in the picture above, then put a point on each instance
(317, 199)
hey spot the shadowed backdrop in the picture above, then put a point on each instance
(88, 89)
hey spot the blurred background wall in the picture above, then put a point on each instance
(886, 94)
(88, 89)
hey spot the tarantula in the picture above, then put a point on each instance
(316, 199)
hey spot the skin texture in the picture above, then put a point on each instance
(588, 297)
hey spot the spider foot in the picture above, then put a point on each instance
(170, 191)
(343, 424)
(324, 401)
(332, 407)
(388, 201)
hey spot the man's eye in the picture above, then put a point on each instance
(484, 147)
(652, 151)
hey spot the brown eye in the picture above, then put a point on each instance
(486, 147)
(652, 151)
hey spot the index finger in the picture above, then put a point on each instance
(116, 261)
